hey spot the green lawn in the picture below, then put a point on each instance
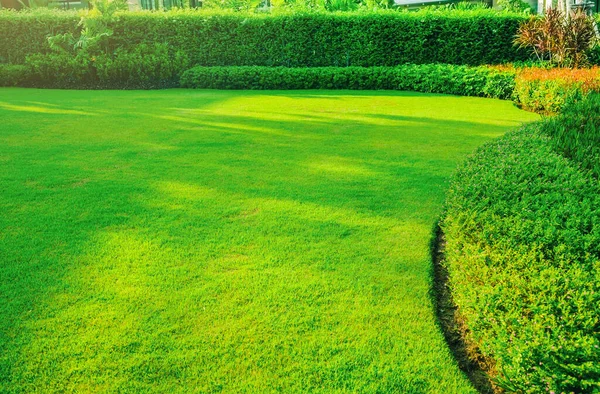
(212, 241)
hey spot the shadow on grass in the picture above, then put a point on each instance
(469, 360)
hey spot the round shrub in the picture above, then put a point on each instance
(522, 228)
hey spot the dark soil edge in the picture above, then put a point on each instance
(467, 356)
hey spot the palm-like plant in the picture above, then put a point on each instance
(94, 30)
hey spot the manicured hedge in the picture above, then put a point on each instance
(291, 40)
(150, 68)
(433, 78)
(12, 75)
(144, 67)
(522, 228)
(24, 33)
(576, 133)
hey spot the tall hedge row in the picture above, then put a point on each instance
(24, 33)
(290, 40)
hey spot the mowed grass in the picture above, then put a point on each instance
(238, 242)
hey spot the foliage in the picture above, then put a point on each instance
(549, 90)
(518, 6)
(107, 8)
(431, 78)
(575, 132)
(87, 60)
(275, 6)
(301, 39)
(59, 71)
(25, 33)
(12, 74)
(93, 33)
(145, 67)
(460, 5)
(233, 5)
(565, 40)
(522, 227)
(340, 5)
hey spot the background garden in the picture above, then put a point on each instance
(279, 240)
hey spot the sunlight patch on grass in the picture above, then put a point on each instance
(186, 191)
(338, 166)
(42, 110)
(234, 128)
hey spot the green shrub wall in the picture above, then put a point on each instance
(428, 78)
(290, 40)
(143, 67)
(522, 228)
(24, 33)
(12, 75)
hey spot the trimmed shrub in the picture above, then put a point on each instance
(145, 67)
(58, 71)
(12, 75)
(432, 78)
(522, 227)
(576, 133)
(385, 38)
(25, 32)
(549, 90)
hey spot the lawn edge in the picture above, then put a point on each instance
(471, 362)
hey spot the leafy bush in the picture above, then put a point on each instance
(549, 90)
(576, 133)
(564, 39)
(12, 75)
(25, 33)
(434, 78)
(304, 39)
(515, 6)
(59, 71)
(522, 227)
(85, 59)
(145, 67)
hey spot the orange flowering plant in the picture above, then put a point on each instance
(549, 90)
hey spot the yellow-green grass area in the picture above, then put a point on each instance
(219, 241)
